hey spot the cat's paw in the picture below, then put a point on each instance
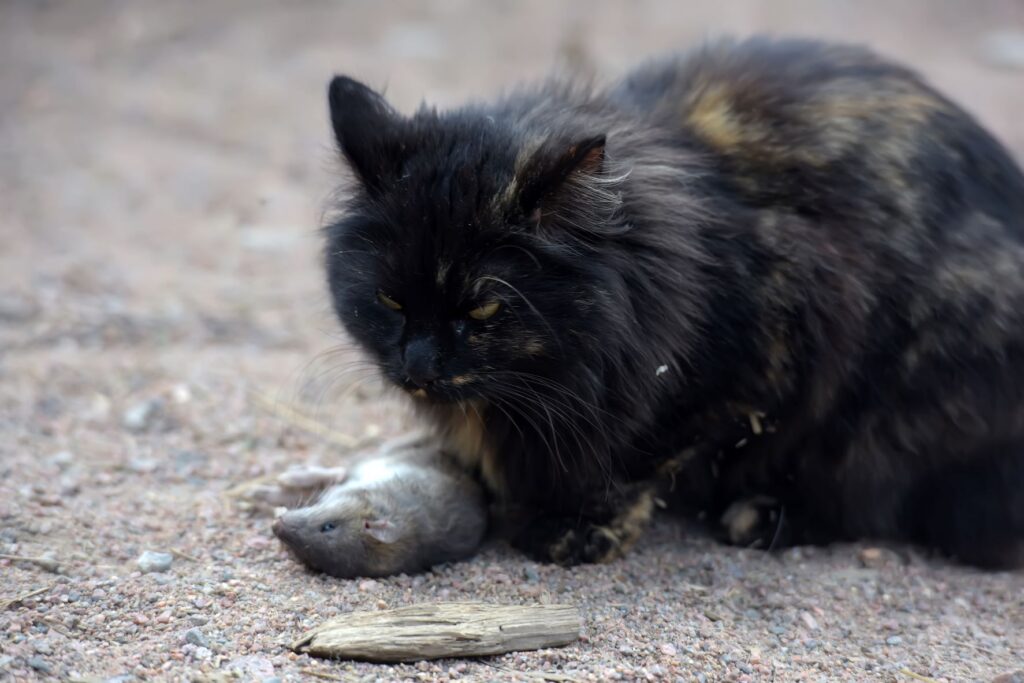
(568, 542)
(755, 522)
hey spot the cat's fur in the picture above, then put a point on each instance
(785, 277)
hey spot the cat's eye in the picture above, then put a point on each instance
(388, 301)
(486, 311)
(327, 527)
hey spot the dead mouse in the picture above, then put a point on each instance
(396, 512)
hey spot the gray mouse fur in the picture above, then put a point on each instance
(397, 512)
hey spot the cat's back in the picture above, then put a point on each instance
(825, 128)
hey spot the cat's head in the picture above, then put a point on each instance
(463, 259)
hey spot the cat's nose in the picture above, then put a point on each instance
(421, 363)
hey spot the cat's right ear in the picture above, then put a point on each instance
(367, 129)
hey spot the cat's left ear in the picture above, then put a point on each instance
(552, 167)
(370, 133)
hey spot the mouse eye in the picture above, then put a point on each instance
(328, 526)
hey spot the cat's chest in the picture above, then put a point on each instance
(464, 433)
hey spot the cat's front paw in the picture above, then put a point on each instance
(568, 542)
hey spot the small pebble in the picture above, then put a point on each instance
(809, 620)
(141, 416)
(893, 640)
(40, 664)
(62, 459)
(196, 637)
(151, 561)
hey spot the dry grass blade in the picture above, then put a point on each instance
(183, 556)
(46, 563)
(917, 676)
(4, 604)
(297, 418)
(432, 631)
(321, 675)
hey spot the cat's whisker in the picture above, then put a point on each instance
(526, 300)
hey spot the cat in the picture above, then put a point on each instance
(780, 282)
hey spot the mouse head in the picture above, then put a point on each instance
(344, 538)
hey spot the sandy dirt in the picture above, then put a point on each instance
(165, 338)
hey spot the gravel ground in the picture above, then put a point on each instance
(164, 339)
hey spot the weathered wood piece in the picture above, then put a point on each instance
(435, 630)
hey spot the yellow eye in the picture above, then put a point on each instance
(486, 311)
(388, 301)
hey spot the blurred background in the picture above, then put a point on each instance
(164, 167)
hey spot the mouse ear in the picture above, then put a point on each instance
(381, 529)
(369, 132)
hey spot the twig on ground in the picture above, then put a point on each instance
(4, 604)
(46, 563)
(183, 556)
(917, 676)
(320, 674)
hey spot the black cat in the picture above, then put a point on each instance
(783, 279)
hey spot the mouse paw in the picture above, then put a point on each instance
(294, 487)
(311, 477)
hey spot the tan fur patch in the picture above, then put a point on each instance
(712, 116)
(466, 436)
(533, 347)
(627, 527)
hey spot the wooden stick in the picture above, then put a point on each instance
(431, 631)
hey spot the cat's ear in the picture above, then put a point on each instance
(383, 530)
(553, 166)
(369, 132)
